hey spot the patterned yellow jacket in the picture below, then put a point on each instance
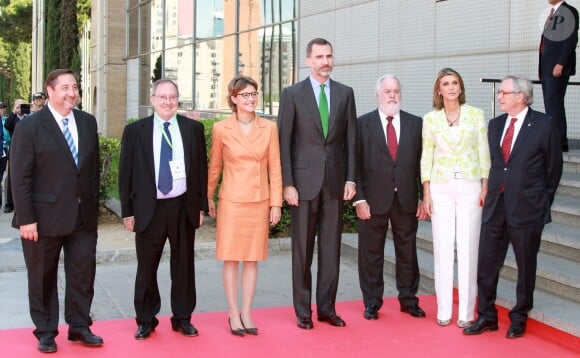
(441, 156)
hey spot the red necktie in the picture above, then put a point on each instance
(392, 138)
(548, 19)
(506, 144)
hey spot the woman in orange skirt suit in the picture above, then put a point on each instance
(245, 151)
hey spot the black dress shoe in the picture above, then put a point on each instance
(480, 326)
(47, 344)
(333, 320)
(516, 330)
(305, 323)
(371, 312)
(414, 311)
(144, 329)
(185, 327)
(8, 209)
(86, 337)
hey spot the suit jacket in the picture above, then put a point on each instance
(532, 173)
(441, 155)
(561, 52)
(11, 122)
(137, 184)
(306, 155)
(379, 174)
(250, 163)
(46, 184)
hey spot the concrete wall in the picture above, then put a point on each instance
(414, 39)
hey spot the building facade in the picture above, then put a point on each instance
(202, 44)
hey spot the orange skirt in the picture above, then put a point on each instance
(242, 231)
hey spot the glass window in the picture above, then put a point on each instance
(179, 68)
(211, 76)
(210, 17)
(259, 42)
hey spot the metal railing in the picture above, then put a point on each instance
(493, 82)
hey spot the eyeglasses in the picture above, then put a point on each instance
(247, 95)
(167, 98)
(503, 93)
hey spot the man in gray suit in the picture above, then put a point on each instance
(317, 124)
(389, 155)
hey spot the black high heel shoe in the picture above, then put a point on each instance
(240, 332)
(253, 330)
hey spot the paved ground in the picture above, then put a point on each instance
(116, 273)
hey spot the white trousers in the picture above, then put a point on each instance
(456, 218)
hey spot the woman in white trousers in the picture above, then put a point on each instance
(454, 167)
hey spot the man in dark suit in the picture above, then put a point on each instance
(526, 166)
(389, 154)
(162, 187)
(317, 125)
(557, 61)
(55, 170)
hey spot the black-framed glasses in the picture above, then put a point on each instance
(247, 95)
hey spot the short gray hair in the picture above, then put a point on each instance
(523, 85)
(161, 81)
(384, 77)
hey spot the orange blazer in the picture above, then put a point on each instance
(249, 164)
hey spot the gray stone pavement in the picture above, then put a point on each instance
(116, 273)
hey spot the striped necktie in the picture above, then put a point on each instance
(70, 141)
(165, 180)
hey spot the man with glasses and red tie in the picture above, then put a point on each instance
(162, 189)
(526, 166)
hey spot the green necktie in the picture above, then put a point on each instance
(323, 108)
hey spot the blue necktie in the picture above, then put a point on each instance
(69, 141)
(165, 183)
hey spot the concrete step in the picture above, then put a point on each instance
(553, 274)
(566, 210)
(558, 259)
(557, 239)
(572, 161)
(549, 308)
(569, 185)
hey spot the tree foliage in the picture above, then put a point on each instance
(15, 48)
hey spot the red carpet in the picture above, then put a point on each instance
(395, 334)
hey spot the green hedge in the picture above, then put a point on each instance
(110, 149)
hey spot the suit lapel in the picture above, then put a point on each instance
(183, 130)
(335, 96)
(83, 132)
(309, 100)
(404, 135)
(377, 132)
(147, 142)
(49, 123)
(248, 141)
(523, 134)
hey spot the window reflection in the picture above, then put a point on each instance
(203, 55)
